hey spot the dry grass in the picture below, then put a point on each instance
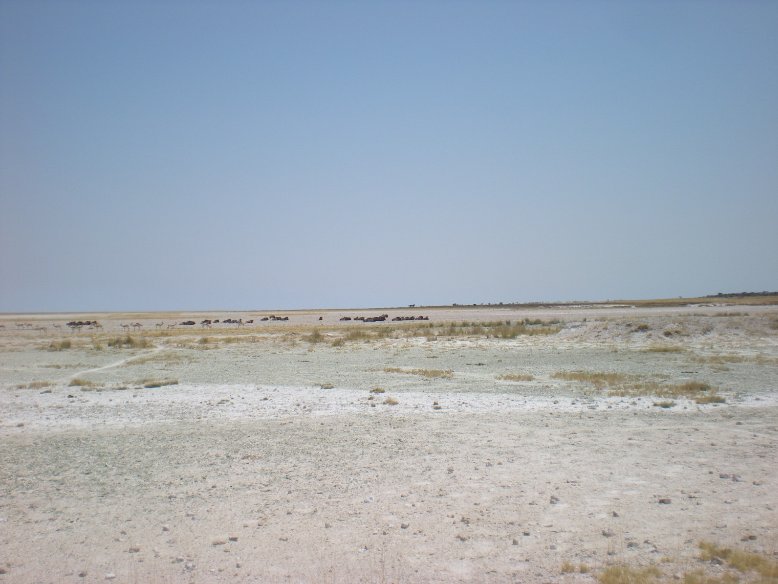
(60, 345)
(79, 381)
(624, 386)
(567, 568)
(314, 337)
(35, 385)
(166, 357)
(378, 390)
(129, 342)
(664, 349)
(740, 560)
(430, 373)
(700, 577)
(327, 386)
(515, 377)
(598, 379)
(152, 383)
(665, 404)
(628, 575)
(390, 401)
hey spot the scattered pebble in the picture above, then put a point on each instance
(404, 526)
(607, 533)
(665, 501)
(554, 500)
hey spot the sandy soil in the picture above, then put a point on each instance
(271, 460)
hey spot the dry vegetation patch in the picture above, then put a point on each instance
(166, 357)
(80, 381)
(129, 342)
(35, 385)
(622, 385)
(430, 373)
(152, 383)
(741, 560)
(629, 575)
(596, 378)
(60, 345)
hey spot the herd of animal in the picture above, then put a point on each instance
(383, 318)
(77, 325)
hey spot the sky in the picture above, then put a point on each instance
(194, 155)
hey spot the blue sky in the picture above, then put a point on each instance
(238, 155)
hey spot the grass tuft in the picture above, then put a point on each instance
(79, 381)
(60, 345)
(152, 383)
(598, 379)
(129, 342)
(740, 560)
(35, 385)
(628, 575)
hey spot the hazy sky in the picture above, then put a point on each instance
(237, 155)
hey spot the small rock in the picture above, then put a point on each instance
(665, 501)
(219, 541)
(554, 500)
(82, 574)
(165, 528)
(233, 538)
(607, 533)
(461, 537)
(614, 514)
(134, 549)
(515, 541)
(327, 525)
(525, 534)
(404, 525)
(110, 576)
(717, 561)
(748, 538)
(724, 475)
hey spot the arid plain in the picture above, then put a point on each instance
(486, 444)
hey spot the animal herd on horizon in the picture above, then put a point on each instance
(78, 325)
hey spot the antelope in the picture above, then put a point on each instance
(159, 325)
(126, 327)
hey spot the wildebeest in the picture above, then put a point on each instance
(188, 323)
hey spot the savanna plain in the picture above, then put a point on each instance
(607, 443)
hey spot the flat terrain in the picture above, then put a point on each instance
(481, 445)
